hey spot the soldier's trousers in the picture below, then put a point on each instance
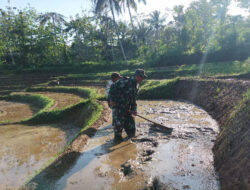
(123, 120)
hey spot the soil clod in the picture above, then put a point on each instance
(157, 185)
(126, 168)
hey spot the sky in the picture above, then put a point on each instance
(72, 7)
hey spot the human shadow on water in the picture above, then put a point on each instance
(55, 176)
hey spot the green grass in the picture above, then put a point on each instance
(102, 70)
(219, 69)
(74, 114)
(157, 89)
(82, 92)
(242, 105)
(36, 100)
(88, 110)
(215, 69)
(62, 114)
(43, 103)
(92, 113)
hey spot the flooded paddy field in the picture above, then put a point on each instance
(180, 160)
(62, 100)
(14, 111)
(25, 149)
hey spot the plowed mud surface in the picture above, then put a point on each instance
(25, 149)
(62, 100)
(181, 160)
(13, 111)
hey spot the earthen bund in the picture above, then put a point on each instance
(220, 99)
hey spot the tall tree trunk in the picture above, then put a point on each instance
(117, 33)
(7, 33)
(55, 42)
(133, 28)
(112, 48)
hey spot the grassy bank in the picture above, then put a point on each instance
(242, 106)
(36, 100)
(157, 89)
(86, 112)
(216, 69)
(41, 102)
(82, 92)
(232, 147)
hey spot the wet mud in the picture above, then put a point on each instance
(13, 111)
(180, 160)
(62, 100)
(25, 149)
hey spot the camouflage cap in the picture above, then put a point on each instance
(115, 75)
(141, 73)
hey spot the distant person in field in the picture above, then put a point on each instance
(114, 77)
(122, 96)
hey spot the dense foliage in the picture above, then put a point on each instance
(204, 31)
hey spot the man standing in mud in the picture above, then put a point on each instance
(114, 77)
(122, 97)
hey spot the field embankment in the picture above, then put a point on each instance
(227, 101)
(43, 134)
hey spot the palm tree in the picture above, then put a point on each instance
(56, 18)
(103, 5)
(156, 22)
(244, 4)
(6, 28)
(132, 4)
(107, 23)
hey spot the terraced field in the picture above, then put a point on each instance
(14, 111)
(26, 148)
(45, 128)
(61, 100)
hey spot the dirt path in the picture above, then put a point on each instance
(181, 160)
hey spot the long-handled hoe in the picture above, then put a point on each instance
(157, 125)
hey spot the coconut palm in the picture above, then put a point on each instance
(132, 4)
(107, 23)
(6, 31)
(56, 18)
(155, 22)
(113, 5)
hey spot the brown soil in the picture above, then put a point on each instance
(62, 100)
(219, 98)
(81, 141)
(25, 149)
(70, 155)
(13, 111)
(129, 164)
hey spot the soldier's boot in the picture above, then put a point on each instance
(118, 135)
(131, 135)
(118, 138)
(130, 132)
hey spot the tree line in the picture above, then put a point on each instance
(204, 29)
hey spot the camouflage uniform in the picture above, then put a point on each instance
(123, 93)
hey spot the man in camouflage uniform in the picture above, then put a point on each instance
(114, 77)
(122, 96)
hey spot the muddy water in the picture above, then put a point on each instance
(62, 100)
(25, 149)
(13, 111)
(181, 160)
